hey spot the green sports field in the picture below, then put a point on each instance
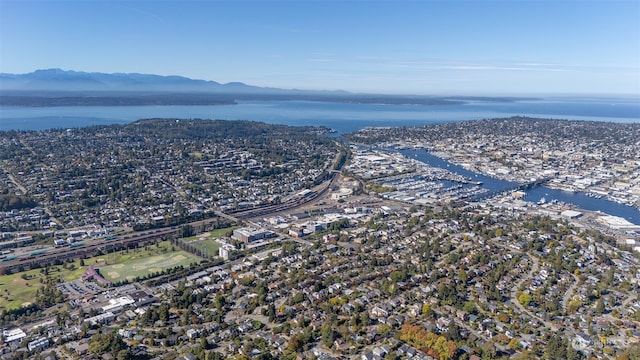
(19, 289)
(121, 266)
(206, 242)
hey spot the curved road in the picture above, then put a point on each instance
(569, 292)
(514, 299)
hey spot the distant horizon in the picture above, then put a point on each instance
(346, 92)
(404, 47)
(342, 116)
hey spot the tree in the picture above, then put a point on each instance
(524, 299)
(328, 335)
(124, 354)
(186, 231)
(573, 354)
(573, 306)
(384, 329)
(219, 302)
(421, 338)
(462, 275)
(204, 344)
(294, 344)
(426, 308)
(488, 350)
(632, 352)
(555, 348)
(514, 344)
(470, 307)
(453, 332)
(526, 355)
(271, 312)
(102, 343)
(398, 275)
(599, 306)
(163, 312)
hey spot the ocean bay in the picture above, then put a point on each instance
(340, 116)
(348, 117)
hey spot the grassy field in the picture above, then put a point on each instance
(207, 246)
(129, 265)
(206, 242)
(19, 289)
(220, 233)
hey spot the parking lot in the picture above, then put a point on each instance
(78, 289)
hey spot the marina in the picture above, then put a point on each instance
(534, 194)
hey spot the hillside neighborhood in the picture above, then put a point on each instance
(153, 247)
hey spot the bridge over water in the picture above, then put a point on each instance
(520, 186)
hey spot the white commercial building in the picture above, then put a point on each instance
(13, 335)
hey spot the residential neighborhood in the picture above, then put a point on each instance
(381, 257)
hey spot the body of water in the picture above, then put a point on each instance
(348, 117)
(534, 195)
(342, 117)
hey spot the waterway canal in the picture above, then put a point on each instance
(534, 195)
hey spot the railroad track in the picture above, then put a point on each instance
(82, 249)
(76, 250)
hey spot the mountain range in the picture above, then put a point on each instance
(78, 81)
(57, 87)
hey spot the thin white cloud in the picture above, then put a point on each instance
(439, 65)
(141, 12)
(322, 53)
(499, 68)
(323, 60)
(537, 64)
(282, 29)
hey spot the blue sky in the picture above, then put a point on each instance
(406, 47)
